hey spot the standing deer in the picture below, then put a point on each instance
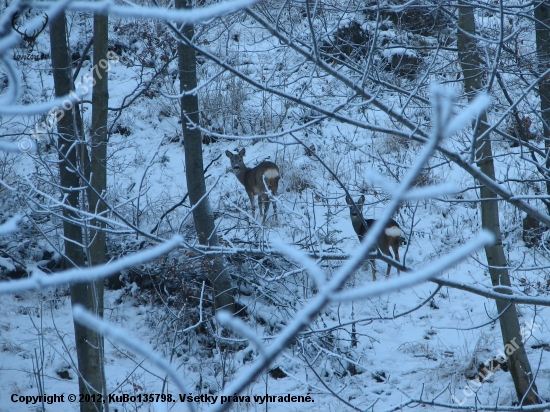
(390, 237)
(258, 181)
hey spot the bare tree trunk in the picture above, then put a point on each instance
(518, 362)
(98, 163)
(542, 22)
(98, 151)
(196, 186)
(87, 342)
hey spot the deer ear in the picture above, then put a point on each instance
(242, 152)
(229, 154)
(361, 200)
(348, 200)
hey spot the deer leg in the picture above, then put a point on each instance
(275, 210)
(251, 197)
(395, 248)
(373, 267)
(386, 251)
(267, 201)
(273, 192)
(262, 206)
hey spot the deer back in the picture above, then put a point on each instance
(391, 235)
(254, 178)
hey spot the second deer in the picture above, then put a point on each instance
(253, 181)
(390, 237)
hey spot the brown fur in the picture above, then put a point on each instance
(253, 181)
(388, 239)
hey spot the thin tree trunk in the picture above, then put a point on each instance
(98, 163)
(98, 151)
(196, 186)
(542, 30)
(518, 362)
(87, 341)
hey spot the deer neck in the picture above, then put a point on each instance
(359, 227)
(241, 176)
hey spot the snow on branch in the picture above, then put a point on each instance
(229, 321)
(478, 407)
(496, 292)
(40, 280)
(179, 16)
(443, 123)
(11, 225)
(303, 259)
(483, 239)
(9, 147)
(433, 191)
(85, 318)
(13, 39)
(469, 114)
(328, 292)
(39, 108)
(8, 101)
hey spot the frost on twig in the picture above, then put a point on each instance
(40, 280)
(85, 318)
(442, 105)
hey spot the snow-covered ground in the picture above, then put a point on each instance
(374, 353)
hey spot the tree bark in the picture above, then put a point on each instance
(89, 357)
(97, 246)
(542, 30)
(518, 363)
(196, 186)
(98, 139)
